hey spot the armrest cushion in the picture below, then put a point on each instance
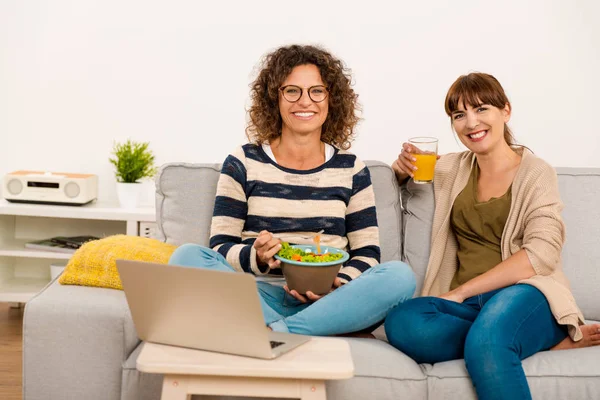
(77, 338)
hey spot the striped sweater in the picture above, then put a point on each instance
(254, 194)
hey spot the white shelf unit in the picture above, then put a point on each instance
(24, 272)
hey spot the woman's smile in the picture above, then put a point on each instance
(304, 115)
(478, 136)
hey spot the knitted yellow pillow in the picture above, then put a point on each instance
(94, 264)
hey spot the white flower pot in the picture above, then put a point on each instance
(129, 194)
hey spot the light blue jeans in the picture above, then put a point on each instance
(359, 304)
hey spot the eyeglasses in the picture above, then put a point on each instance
(293, 93)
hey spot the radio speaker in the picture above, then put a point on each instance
(14, 187)
(43, 187)
(72, 190)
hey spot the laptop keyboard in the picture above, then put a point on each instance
(276, 344)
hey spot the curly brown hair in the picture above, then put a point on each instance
(265, 118)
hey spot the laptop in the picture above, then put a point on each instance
(200, 309)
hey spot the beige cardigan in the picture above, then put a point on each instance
(534, 224)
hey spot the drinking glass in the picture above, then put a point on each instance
(425, 151)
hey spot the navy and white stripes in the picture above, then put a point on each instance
(255, 194)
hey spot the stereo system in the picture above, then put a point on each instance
(41, 187)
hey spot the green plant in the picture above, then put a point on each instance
(133, 161)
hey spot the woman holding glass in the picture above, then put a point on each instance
(494, 292)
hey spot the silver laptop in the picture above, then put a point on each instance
(201, 309)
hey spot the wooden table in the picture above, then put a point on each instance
(300, 373)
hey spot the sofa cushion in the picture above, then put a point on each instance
(580, 191)
(185, 198)
(380, 372)
(419, 205)
(389, 210)
(565, 374)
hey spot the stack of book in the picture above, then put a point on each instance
(60, 244)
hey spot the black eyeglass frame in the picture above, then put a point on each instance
(302, 92)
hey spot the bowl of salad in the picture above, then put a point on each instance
(310, 267)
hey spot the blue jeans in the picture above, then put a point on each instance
(493, 332)
(355, 306)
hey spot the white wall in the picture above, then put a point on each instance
(77, 75)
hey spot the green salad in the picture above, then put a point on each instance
(290, 253)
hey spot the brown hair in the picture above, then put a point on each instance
(265, 119)
(475, 89)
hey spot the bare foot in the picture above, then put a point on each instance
(591, 337)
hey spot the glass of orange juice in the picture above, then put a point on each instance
(426, 154)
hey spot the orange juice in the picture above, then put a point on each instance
(425, 166)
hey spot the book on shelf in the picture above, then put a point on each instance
(73, 242)
(49, 245)
(60, 244)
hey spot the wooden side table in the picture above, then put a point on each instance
(300, 373)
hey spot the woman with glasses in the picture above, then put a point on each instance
(296, 178)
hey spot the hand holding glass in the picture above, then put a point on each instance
(425, 152)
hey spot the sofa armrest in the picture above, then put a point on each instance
(75, 341)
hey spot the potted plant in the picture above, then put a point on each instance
(133, 161)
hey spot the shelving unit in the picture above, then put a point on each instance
(16, 248)
(24, 272)
(20, 290)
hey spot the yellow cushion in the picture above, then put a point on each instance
(94, 264)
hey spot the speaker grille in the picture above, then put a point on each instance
(14, 187)
(72, 190)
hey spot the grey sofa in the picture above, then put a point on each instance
(80, 342)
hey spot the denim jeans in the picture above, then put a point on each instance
(493, 332)
(359, 304)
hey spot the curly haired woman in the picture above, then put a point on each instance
(294, 178)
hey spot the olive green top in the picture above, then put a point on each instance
(478, 227)
(534, 226)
